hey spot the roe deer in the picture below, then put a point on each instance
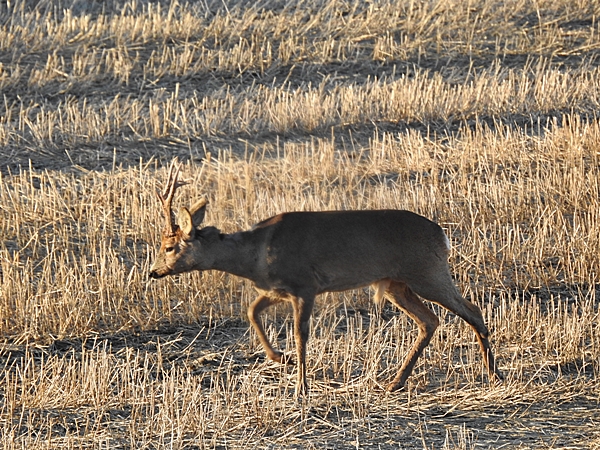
(296, 255)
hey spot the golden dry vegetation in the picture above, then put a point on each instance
(482, 115)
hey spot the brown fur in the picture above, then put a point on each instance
(295, 256)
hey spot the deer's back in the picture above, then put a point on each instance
(338, 250)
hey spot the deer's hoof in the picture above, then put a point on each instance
(497, 378)
(287, 360)
(394, 386)
(281, 358)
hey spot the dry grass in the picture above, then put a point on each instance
(479, 115)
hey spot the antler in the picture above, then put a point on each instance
(166, 197)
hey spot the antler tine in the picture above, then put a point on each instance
(166, 198)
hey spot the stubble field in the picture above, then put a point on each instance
(481, 115)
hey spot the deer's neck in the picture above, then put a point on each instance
(239, 255)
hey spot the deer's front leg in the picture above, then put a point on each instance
(302, 309)
(255, 308)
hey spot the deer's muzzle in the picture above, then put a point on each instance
(154, 274)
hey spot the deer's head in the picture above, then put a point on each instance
(179, 250)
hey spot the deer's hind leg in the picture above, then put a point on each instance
(256, 307)
(444, 293)
(380, 288)
(471, 313)
(406, 300)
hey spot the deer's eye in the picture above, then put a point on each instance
(169, 249)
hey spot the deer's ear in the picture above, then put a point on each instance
(198, 210)
(184, 220)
